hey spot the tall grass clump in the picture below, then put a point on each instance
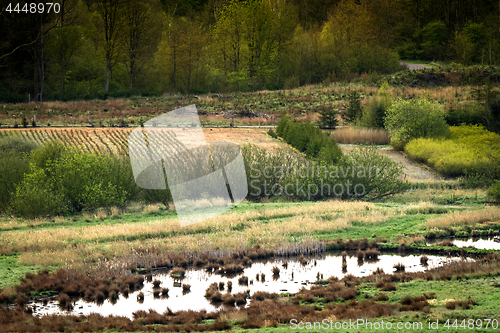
(411, 119)
(368, 136)
(466, 218)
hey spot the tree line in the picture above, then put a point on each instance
(99, 48)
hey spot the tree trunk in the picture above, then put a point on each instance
(108, 65)
(42, 67)
(63, 73)
(132, 74)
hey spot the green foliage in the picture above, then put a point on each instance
(410, 119)
(494, 190)
(362, 174)
(24, 122)
(328, 117)
(16, 145)
(493, 115)
(280, 129)
(373, 113)
(434, 38)
(37, 196)
(14, 163)
(62, 179)
(272, 133)
(465, 114)
(470, 150)
(13, 166)
(308, 139)
(155, 196)
(469, 44)
(353, 111)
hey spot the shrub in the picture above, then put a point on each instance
(36, 195)
(494, 190)
(410, 119)
(470, 150)
(374, 113)
(62, 179)
(13, 166)
(308, 139)
(465, 114)
(372, 174)
(493, 116)
(272, 133)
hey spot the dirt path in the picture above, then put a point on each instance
(413, 171)
(413, 67)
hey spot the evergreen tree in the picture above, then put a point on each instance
(353, 111)
(328, 117)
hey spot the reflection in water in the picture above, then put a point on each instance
(486, 243)
(292, 276)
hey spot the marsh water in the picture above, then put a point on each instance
(290, 280)
(486, 243)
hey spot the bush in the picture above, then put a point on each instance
(13, 166)
(14, 163)
(493, 116)
(37, 196)
(371, 174)
(63, 179)
(272, 133)
(470, 150)
(494, 190)
(373, 114)
(465, 114)
(411, 119)
(308, 139)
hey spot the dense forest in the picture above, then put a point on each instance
(99, 48)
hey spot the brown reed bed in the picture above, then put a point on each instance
(350, 135)
(339, 298)
(99, 286)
